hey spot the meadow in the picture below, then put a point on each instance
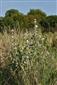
(28, 58)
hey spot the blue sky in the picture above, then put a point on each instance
(48, 6)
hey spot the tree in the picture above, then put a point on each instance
(1, 24)
(52, 20)
(36, 12)
(13, 18)
(45, 25)
(12, 12)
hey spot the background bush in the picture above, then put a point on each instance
(14, 19)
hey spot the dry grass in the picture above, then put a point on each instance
(29, 57)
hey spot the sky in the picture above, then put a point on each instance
(48, 6)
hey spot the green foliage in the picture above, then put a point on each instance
(52, 20)
(36, 12)
(12, 12)
(45, 25)
(16, 20)
(1, 24)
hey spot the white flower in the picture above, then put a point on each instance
(25, 62)
(27, 57)
(12, 37)
(16, 64)
(12, 44)
(36, 26)
(27, 41)
(43, 38)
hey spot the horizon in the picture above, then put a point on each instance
(49, 7)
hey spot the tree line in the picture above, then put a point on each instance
(14, 19)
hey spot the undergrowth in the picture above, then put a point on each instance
(28, 58)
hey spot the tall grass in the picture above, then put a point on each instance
(28, 58)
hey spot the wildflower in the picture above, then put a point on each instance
(43, 38)
(36, 26)
(12, 37)
(12, 61)
(25, 62)
(12, 30)
(16, 64)
(27, 57)
(27, 41)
